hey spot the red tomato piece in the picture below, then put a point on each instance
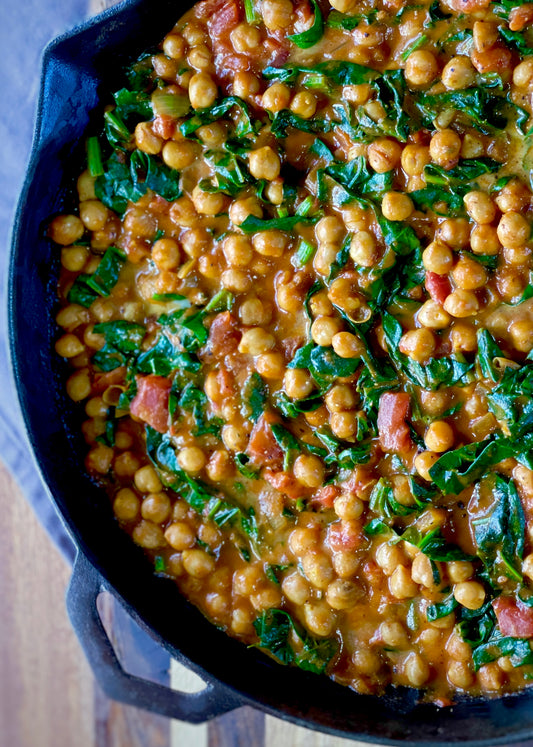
(393, 431)
(224, 334)
(494, 60)
(263, 448)
(468, 6)
(164, 126)
(520, 17)
(438, 286)
(285, 483)
(514, 619)
(325, 497)
(151, 401)
(345, 535)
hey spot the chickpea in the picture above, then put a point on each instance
(444, 148)
(303, 104)
(270, 365)
(166, 254)
(74, 258)
(297, 383)
(455, 232)
(234, 279)
(345, 563)
(463, 337)
(480, 207)
(401, 584)
(348, 507)
(302, 539)
(459, 674)
(240, 210)
(513, 230)
(148, 535)
(270, 243)
(256, 341)
(424, 462)
(346, 345)
(523, 73)
(296, 589)
(69, 346)
(343, 6)
(66, 229)
(208, 203)
(245, 84)
(458, 73)
(389, 557)
(416, 670)
(363, 249)
(309, 470)
(414, 159)
(422, 571)
(317, 568)
(459, 570)
(484, 240)
(147, 481)
(79, 385)
(180, 536)
(276, 14)
(341, 594)
(324, 258)
(324, 328)
(126, 505)
(264, 163)
(461, 303)
(437, 257)
(179, 155)
(202, 91)
(234, 438)
(384, 154)
(252, 312)
(366, 661)
(522, 335)
(393, 634)
(329, 229)
(344, 424)
(174, 46)
(237, 250)
(197, 563)
(343, 292)
(339, 398)
(245, 38)
(490, 677)
(432, 315)
(513, 197)
(485, 35)
(165, 68)
(470, 594)
(85, 186)
(320, 305)
(276, 97)
(421, 68)
(439, 436)
(418, 344)
(146, 139)
(191, 459)
(156, 507)
(319, 618)
(396, 206)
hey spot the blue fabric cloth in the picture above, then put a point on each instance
(25, 29)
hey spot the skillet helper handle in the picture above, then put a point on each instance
(195, 708)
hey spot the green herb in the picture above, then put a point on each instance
(273, 572)
(433, 374)
(337, 20)
(323, 363)
(217, 111)
(231, 176)
(122, 340)
(517, 649)
(499, 533)
(304, 253)
(195, 400)
(438, 610)
(311, 36)
(242, 463)
(383, 502)
(94, 157)
(287, 442)
(87, 288)
(338, 72)
(252, 224)
(255, 397)
(434, 545)
(130, 176)
(160, 564)
(252, 16)
(476, 626)
(511, 400)
(293, 408)
(285, 118)
(165, 357)
(487, 351)
(418, 42)
(516, 40)
(188, 328)
(477, 105)
(276, 630)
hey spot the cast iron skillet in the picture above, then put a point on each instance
(80, 70)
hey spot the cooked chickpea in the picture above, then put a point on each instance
(469, 274)
(148, 535)
(342, 594)
(202, 91)
(303, 104)
(68, 346)
(174, 46)
(191, 459)
(422, 571)
(513, 197)
(270, 243)
(66, 229)
(384, 154)
(179, 155)
(79, 385)
(234, 438)
(180, 536)
(346, 345)
(324, 328)
(208, 203)
(340, 397)
(455, 232)
(197, 563)
(319, 618)
(432, 315)
(490, 677)
(460, 675)
(276, 97)
(458, 73)
(166, 254)
(522, 335)
(459, 570)
(416, 670)
(480, 207)
(389, 557)
(484, 240)
(421, 68)
(418, 344)
(309, 470)
(396, 206)
(156, 507)
(513, 230)
(439, 436)
(270, 365)
(237, 250)
(414, 159)
(437, 257)
(343, 6)
(363, 249)
(523, 73)
(146, 480)
(344, 424)
(463, 337)
(470, 594)
(296, 588)
(424, 462)
(345, 563)
(393, 634)
(317, 568)
(146, 139)
(276, 14)
(85, 186)
(245, 84)
(297, 383)
(126, 505)
(329, 229)
(444, 148)
(256, 341)
(366, 661)
(264, 163)
(240, 210)
(245, 37)
(401, 584)
(461, 303)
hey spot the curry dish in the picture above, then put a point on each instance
(296, 300)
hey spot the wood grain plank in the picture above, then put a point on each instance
(279, 733)
(46, 690)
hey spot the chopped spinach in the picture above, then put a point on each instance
(487, 351)
(254, 396)
(312, 35)
(438, 610)
(338, 72)
(87, 288)
(201, 117)
(511, 400)
(252, 224)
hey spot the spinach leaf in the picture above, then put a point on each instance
(311, 36)
(293, 408)
(383, 502)
(285, 118)
(132, 106)
(287, 442)
(252, 224)
(122, 340)
(255, 397)
(517, 649)
(188, 328)
(201, 117)
(477, 105)
(439, 610)
(199, 496)
(476, 626)
(128, 177)
(354, 179)
(434, 545)
(87, 288)
(230, 175)
(371, 385)
(487, 351)
(164, 357)
(516, 40)
(338, 72)
(511, 400)
(436, 372)
(242, 462)
(323, 363)
(276, 628)
(499, 533)
(338, 20)
(195, 400)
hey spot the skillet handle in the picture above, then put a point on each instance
(195, 708)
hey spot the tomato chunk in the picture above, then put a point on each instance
(393, 431)
(514, 619)
(345, 535)
(468, 6)
(285, 483)
(438, 286)
(224, 334)
(151, 401)
(325, 497)
(263, 449)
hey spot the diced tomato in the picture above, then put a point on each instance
(224, 335)
(325, 497)
(360, 482)
(514, 619)
(285, 483)
(151, 401)
(494, 60)
(468, 6)
(438, 286)
(345, 535)
(263, 448)
(164, 126)
(392, 427)
(103, 380)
